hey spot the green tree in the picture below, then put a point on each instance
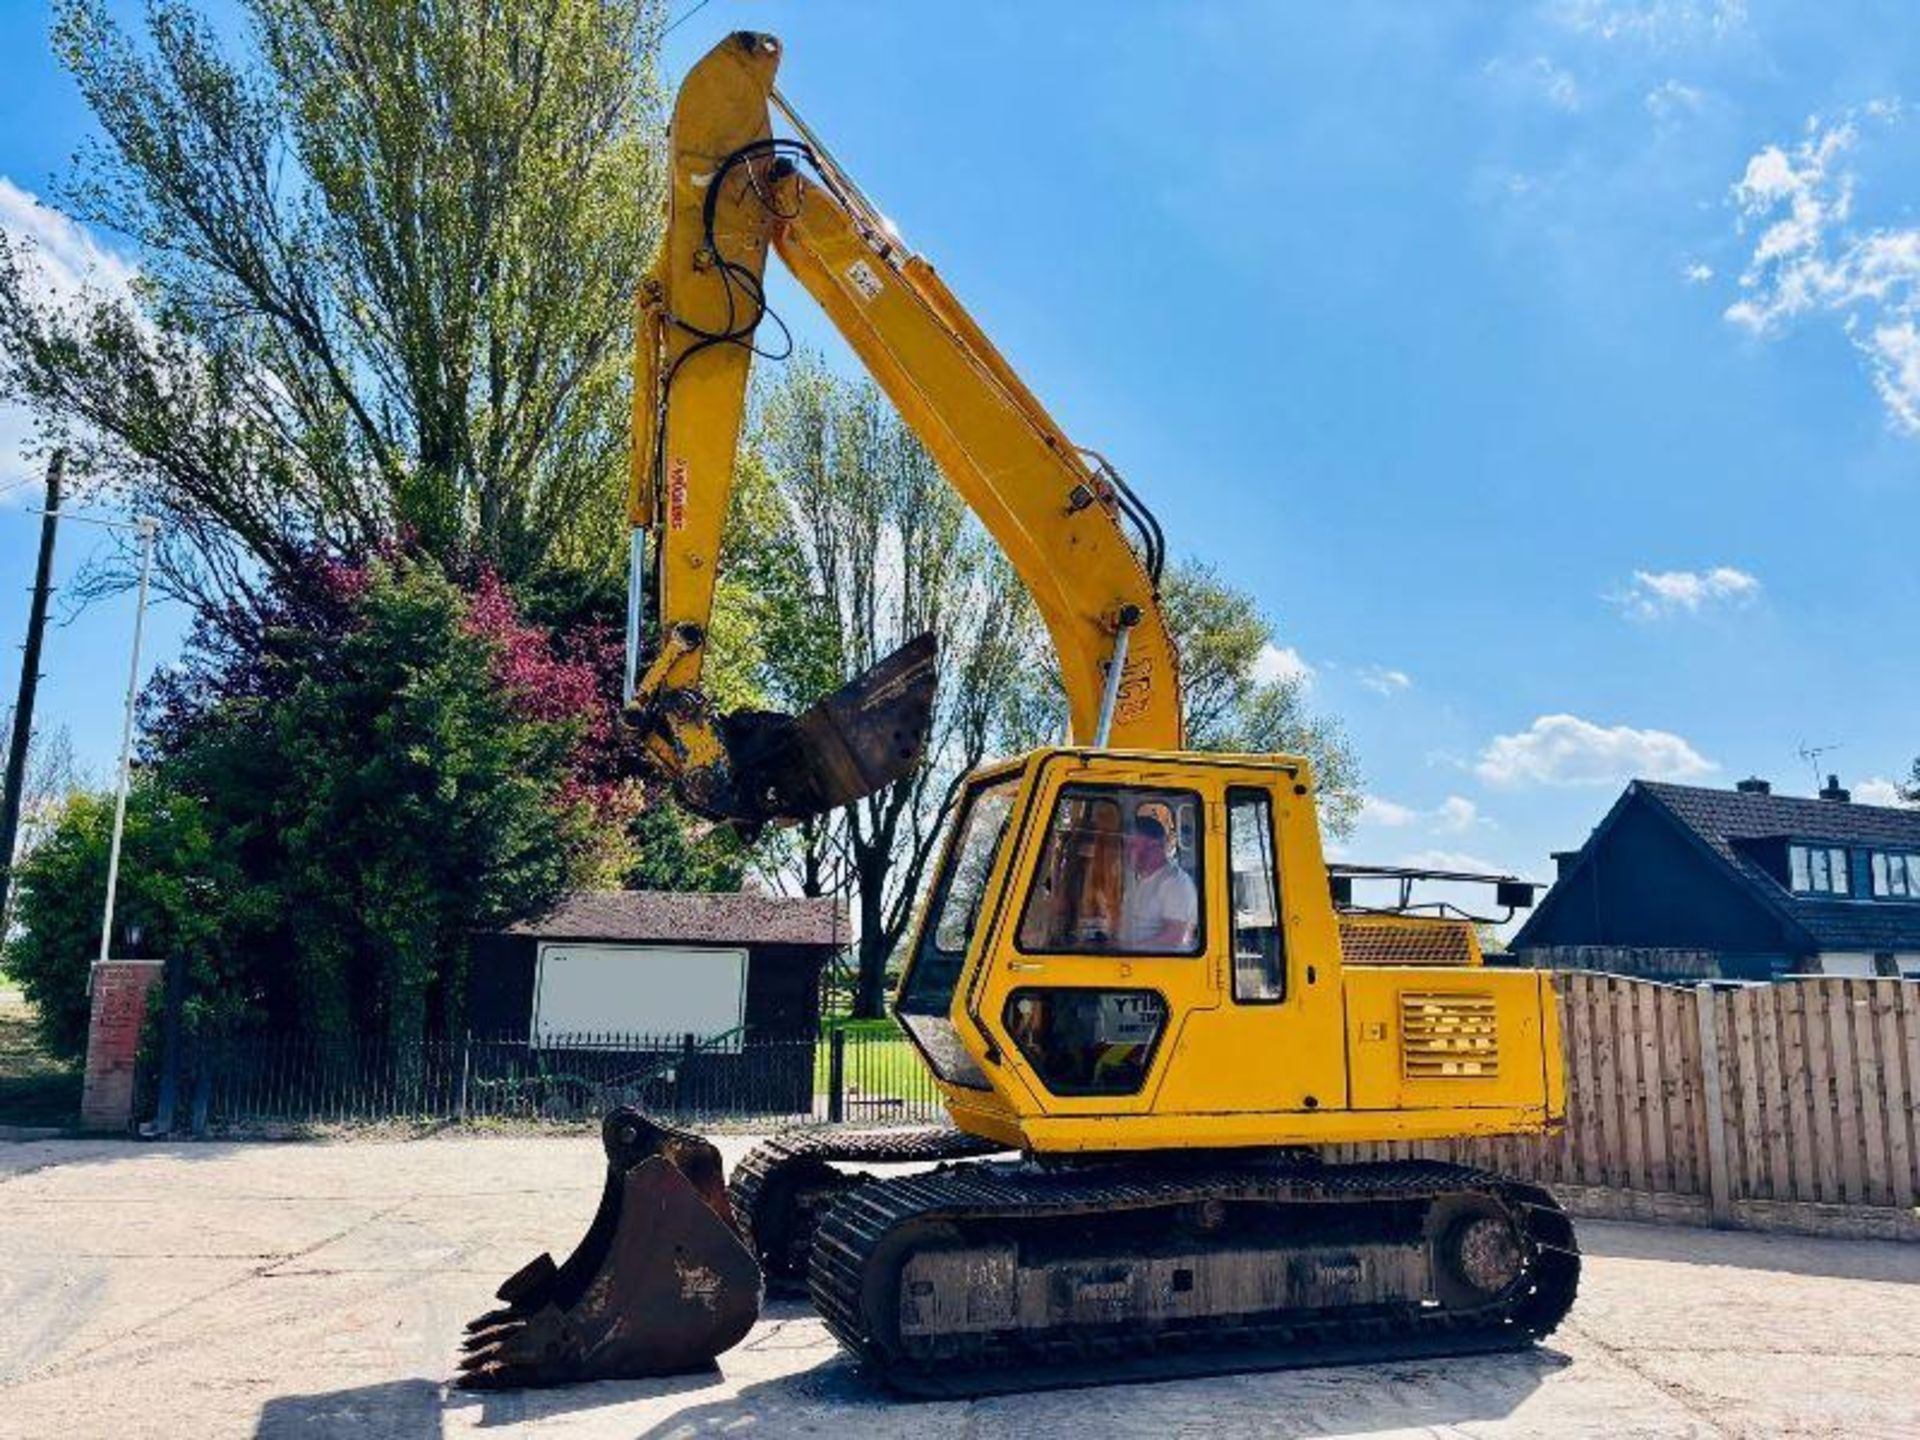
(179, 892)
(52, 774)
(394, 790)
(846, 543)
(1229, 706)
(671, 854)
(386, 262)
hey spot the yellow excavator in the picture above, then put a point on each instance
(1151, 1007)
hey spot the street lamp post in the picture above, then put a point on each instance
(147, 526)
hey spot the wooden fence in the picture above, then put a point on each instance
(1793, 1106)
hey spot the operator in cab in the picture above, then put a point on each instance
(1161, 906)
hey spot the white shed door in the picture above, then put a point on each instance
(632, 990)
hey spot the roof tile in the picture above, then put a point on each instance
(696, 917)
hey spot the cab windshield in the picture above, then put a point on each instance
(958, 897)
(981, 827)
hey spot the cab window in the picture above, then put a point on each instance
(1119, 874)
(981, 827)
(1259, 947)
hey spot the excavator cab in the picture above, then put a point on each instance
(1132, 951)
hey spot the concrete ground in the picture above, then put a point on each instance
(319, 1289)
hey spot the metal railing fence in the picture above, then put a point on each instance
(865, 1072)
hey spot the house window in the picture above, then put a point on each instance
(1818, 869)
(1895, 876)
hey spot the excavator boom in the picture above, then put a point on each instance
(736, 192)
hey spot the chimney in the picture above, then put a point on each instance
(1563, 862)
(1754, 785)
(1834, 792)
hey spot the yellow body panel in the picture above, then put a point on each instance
(1350, 1053)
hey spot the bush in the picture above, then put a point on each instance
(394, 789)
(341, 785)
(174, 898)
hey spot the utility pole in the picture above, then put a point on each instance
(16, 784)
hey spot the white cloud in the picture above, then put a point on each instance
(1653, 594)
(1697, 272)
(1670, 100)
(1538, 78)
(1566, 750)
(1655, 23)
(1279, 664)
(1455, 814)
(1451, 816)
(69, 260)
(69, 265)
(1383, 681)
(1809, 259)
(1878, 791)
(1376, 811)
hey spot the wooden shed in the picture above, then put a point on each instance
(659, 964)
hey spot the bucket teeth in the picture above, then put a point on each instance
(492, 1320)
(660, 1284)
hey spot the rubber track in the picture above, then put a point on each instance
(858, 1224)
(754, 1177)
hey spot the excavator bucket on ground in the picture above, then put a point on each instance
(661, 1284)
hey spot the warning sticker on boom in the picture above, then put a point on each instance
(865, 279)
(677, 493)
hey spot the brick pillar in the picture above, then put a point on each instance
(120, 990)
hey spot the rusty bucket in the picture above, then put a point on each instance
(660, 1284)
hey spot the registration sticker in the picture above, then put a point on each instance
(1128, 1019)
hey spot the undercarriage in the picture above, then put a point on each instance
(991, 1276)
(974, 1273)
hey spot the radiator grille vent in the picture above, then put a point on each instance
(1406, 940)
(1448, 1035)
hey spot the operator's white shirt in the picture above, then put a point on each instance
(1166, 897)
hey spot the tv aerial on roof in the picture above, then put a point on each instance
(1811, 755)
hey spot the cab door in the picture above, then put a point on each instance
(1274, 1041)
(1105, 945)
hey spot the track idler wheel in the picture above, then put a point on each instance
(660, 1284)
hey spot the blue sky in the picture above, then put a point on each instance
(1550, 372)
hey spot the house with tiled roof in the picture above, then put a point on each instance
(1679, 882)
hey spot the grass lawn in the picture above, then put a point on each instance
(881, 1062)
(35, 1089)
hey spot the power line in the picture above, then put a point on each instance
(676, 24)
